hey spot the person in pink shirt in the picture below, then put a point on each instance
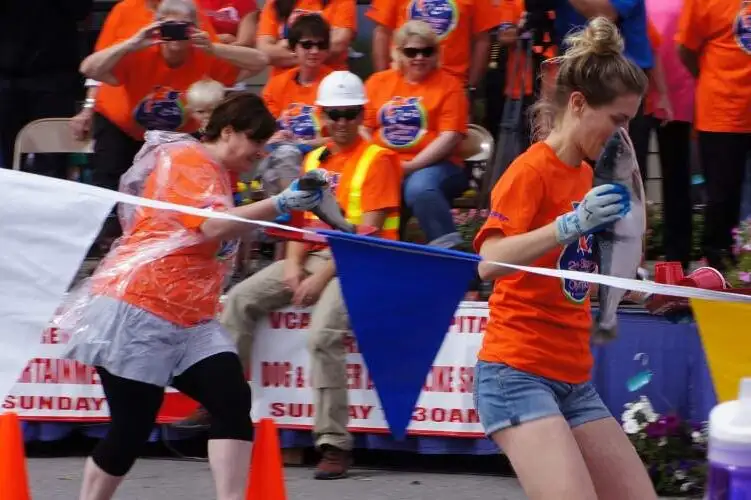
(673, 132)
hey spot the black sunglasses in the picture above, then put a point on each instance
(348, 114)
(309, 44)
(413, 52)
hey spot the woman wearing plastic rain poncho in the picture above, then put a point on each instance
(145, 319)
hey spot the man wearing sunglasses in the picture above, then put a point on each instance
(366, 180)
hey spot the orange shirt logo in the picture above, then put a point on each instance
(441, 15)
(160, 110)
(403, 121)
(301, 120)
(577, 256)
(742, 27)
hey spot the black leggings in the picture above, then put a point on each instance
(723, 161)
(216, 382)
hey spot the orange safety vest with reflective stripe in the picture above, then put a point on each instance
(353, 204)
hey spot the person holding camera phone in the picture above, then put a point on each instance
(146, 76)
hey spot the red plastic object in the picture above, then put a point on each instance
(668, 273)
(707, 277)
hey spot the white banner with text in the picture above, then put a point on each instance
(59, 390)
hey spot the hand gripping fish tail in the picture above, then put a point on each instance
(619, 248)
(328, 210)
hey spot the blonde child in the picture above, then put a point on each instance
(202, 97)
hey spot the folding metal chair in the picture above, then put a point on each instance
(48, 135)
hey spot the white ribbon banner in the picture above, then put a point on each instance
(47, 225)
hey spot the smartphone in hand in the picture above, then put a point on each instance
(175, 30)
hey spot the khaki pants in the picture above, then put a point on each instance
(265, 291)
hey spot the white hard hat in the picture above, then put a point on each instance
(341, 88)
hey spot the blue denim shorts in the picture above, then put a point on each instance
(506, 397)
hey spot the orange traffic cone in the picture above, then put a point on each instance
(14, 480)
(266, 481)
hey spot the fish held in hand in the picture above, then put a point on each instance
(328, 210)
(620, 247)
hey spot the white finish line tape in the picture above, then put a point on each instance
(42, 184)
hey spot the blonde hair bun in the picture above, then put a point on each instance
(599, 37)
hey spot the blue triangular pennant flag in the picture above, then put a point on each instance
(401, 299)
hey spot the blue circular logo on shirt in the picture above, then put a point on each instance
(441, 15)
(742, 27)
(403, 121)
(301, 120)
(160, 110)
(578, 256)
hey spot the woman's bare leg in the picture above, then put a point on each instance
(230, 463)
(97, 484)
(547, 460)
(614, 466)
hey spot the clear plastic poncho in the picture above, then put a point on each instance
(162, 263)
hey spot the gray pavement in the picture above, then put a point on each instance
(150, 479)
(154, 479)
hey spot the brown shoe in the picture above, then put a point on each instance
(198, 420)
(334, 463)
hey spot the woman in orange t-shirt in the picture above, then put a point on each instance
(291, 95)
(278, 15)
(714, 44)
(147, 317)
(421, 111)
(532, 389)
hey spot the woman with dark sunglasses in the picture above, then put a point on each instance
(291, 95)
(278, 16)
(420, 111)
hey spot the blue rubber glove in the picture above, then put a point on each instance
(283, 219)
(294, 198)
(601, 206)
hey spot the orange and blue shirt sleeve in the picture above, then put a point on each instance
(514, 203)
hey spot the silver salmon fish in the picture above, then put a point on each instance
(620, 247)
(328, 210)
